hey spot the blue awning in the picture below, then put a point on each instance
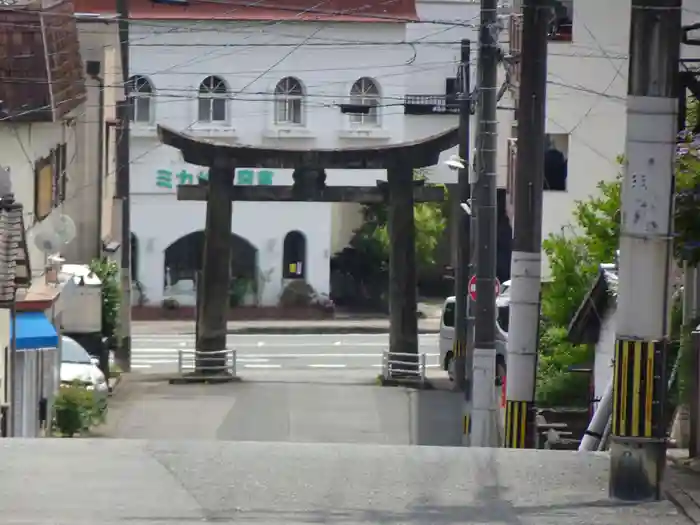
(34, 331)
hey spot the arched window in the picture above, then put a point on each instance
(294, 256)
(289, 102)
(213, 95)
(365, 92)
(140, 93)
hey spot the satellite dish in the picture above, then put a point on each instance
(64, 227)
(46, 239)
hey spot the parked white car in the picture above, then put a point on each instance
(503, 298)
(447, 333)
(78, 365)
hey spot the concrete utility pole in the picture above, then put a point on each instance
(526, 259)
(691, 313)
(638, 441)
(484, 414)
(462, 374)
(123, 354)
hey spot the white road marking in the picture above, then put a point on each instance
(250, 360)
(137, 365)
(154, 361)
(275, 355)
(190, 336)
(258, 344)
(262, 366)
(155, 350)
(337, 365)
(152, 352)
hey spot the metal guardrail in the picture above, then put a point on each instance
(220, 361)
(397, 365)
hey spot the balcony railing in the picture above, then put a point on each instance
(431, 105)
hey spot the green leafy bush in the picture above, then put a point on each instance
(557, 385)
(76, 410)
(108, 272)
(574, 256)
(372, 238)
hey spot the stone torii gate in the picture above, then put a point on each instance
(400, 192)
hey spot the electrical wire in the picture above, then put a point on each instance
(311, 40)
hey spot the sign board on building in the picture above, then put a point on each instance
(169, 179)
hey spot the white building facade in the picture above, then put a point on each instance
(272, 83)
(586, 99)
(585, 110)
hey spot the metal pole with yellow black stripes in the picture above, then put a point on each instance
(638, 437)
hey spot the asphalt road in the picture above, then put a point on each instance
(158, 353)
(134, 482)
(303, 406)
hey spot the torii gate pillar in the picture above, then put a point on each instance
(212, 315)
(403, 306)
(222, 159)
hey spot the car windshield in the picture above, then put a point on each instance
(72, 352)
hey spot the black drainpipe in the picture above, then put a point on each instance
(93, 70)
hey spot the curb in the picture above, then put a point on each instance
(406, 383)
(203, 380)
(113, 383)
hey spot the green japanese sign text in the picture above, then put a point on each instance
(168, 179)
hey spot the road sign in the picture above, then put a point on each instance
(472, 287)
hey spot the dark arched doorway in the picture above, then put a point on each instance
(294, 255)
(183, 260)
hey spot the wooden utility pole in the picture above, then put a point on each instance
(638, 441)
(526, 259)
(123, 192)
(482, 431)
(462, 373)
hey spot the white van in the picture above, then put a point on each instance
(447, 333)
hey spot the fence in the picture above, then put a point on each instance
(218, 362)
(403, 366)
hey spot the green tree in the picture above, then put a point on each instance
(574, 256)
(372, 238)
(108, 273)
(575, 253)
(556, 385)
(598, 219)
